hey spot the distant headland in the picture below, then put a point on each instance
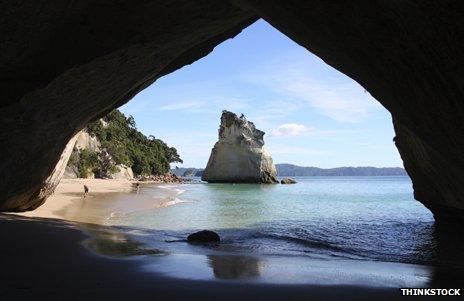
(290, 170)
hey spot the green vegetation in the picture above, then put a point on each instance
(122, 143)
(88, 163)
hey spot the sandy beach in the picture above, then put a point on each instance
(106, 198)
(70, 190)
(80, 258)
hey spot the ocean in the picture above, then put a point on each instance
(315, 230)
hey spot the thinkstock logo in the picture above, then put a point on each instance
(430, 291)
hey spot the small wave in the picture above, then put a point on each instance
(138, 232)
(312, 243)
(171, 202)
(172, 188)
(271, 242)
(179, 191)
(115, 214)
(168, 187)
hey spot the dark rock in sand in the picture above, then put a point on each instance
(204, 236)
(287, 181)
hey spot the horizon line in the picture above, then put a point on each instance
(365, 166)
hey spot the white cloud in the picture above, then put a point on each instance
(269, 112)
(339, 102)
(290, 129)
(299, 77)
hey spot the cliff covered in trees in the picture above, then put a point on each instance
(118, 147)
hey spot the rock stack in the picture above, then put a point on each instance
(238, 156)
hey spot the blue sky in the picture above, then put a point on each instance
(312, 114)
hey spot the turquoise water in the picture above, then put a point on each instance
(371, 218)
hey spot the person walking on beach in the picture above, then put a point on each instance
(86, 190)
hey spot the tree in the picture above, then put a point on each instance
(131, 122)
(122, 141)
(88, 163)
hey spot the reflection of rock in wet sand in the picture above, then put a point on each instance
(113, 243)
(235, 267)
(446, 251)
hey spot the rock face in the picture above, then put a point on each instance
(85, 141)
(405, 53)
(49, 185)
(239, 156)
(71, 172)
(124, 172)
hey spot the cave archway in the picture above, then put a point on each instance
(306, 108)
(64, 65)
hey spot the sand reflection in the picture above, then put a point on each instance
(235, 267)
(115, 244)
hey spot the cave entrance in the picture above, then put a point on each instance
(318, 121)
(57, 86)
(312, 114)
(319, 124)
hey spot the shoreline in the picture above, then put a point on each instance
(69, 190)
(113, 199)
(87, 258)
(68, 197)
(73, 272)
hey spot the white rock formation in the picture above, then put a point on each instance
(82, 140)
(124, 172)
(239, 156)
(85, 141)
(48, 187)
(70, 172)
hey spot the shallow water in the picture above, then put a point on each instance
(348, 217)
(344, 230)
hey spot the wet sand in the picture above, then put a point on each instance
(106, 199)
(45, 257)
(72, 190)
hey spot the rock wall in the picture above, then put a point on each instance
(123, 173)
(71, 172)
(82, 140)
(48, 186)
(85, 141)
(238, 156)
